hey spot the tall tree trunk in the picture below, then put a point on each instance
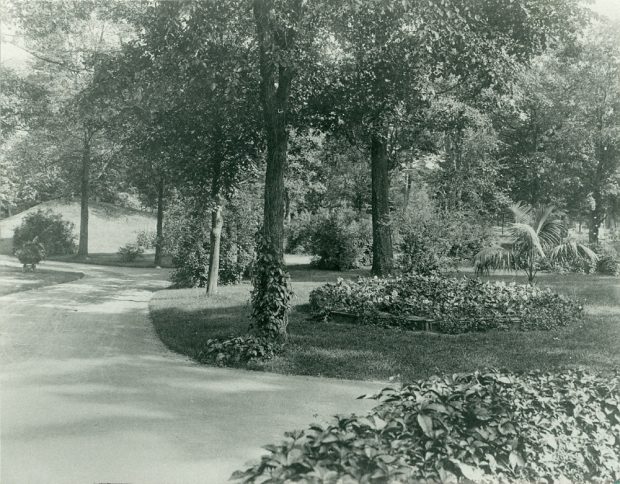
(217, 221)
(382, 254)
(84, 196)
(269, 308)
(159, 237)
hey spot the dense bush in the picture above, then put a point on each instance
(431, 240)
(187, 240)
(340, 240)
(146, 239)
(239, 350)
(484, 427)
(50, 229)
(130, 252)
(456, 305)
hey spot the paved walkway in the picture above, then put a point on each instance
(89, 394)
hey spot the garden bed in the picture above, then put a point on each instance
(445, 305)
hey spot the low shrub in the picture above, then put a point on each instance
(239, 350)
(130, 252)
(487, 426)
(49, 229)
(608, 261)
(456, 305)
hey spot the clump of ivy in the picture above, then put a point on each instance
(239, 351)
(486, 426)
(271, 294)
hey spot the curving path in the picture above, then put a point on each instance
(88, 393)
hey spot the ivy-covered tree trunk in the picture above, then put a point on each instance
(159, 236)
(217, 221)
(271, 294)
(382, 252)
(84, 197)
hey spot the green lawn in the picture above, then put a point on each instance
(186, 318)
(12, 279)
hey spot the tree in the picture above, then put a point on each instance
(191, 123)
(66, 41)
(536, 233)
(388, 59)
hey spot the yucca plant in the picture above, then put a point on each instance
(536, 233)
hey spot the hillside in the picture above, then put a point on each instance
(109, 226)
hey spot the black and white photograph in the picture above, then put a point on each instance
(309, 241)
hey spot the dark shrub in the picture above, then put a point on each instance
(431, 240)
(339, 240)
(50, 229)
(487, 427)
(456, 305)
(187, 240)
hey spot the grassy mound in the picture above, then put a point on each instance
(109, 226)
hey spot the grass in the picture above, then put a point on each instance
(12, 279)
(107, 259)
(185, 318)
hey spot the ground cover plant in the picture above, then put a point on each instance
(456, 305)
(186, 319)
(485, 426)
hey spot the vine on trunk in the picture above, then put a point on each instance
(271, 295)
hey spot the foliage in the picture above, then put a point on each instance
(271, 294)
(31, 252)
(432, 240)
(241, 350)
(608, 261)
(130, 252)
(338, 240)
(50, 229)
(146, 238)
(487, 426)
(536, 233)
(187, 240)
(457, 305)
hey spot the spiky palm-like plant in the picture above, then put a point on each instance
(536, 233)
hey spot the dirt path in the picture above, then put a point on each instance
(89, 394)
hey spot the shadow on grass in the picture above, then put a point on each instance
(13, 279)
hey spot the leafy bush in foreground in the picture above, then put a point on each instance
(456, 304)
(49, 229)
(483, 427)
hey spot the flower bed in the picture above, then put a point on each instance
(451, 305)
(482, 427)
